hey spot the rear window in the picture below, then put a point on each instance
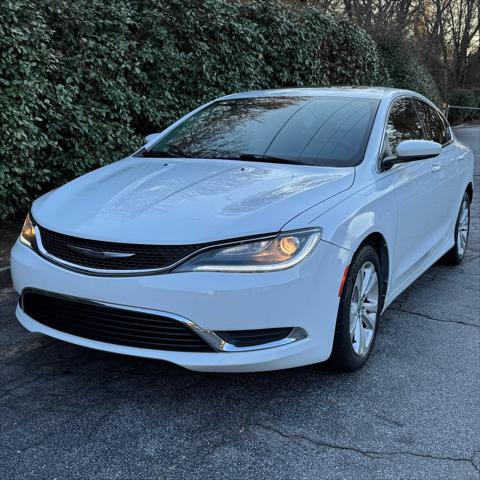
(323, 131)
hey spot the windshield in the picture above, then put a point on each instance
(323, 131)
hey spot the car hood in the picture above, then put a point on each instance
(181, 201)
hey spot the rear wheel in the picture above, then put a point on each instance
(462, 229)
(359, 312)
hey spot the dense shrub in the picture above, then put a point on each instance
(27, 99)
(65, 101)
(402, 68)
(83, 80)
(206, 49)
(463, 97)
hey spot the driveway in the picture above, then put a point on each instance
(412, 413)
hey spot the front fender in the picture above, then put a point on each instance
(347, 220)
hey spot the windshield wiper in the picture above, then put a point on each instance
(254, 157)
(172, 152)
(268, 158)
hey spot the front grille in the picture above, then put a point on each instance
(251, 338)
(110, 324)
(146, 257)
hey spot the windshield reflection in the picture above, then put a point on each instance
(313, 130)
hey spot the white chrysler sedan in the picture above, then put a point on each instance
(264, 230)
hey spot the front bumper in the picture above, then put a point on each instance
(305, 296)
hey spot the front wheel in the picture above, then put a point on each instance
(462, 229)
(359, 312)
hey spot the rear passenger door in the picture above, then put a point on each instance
(414, 185)
(447, 172)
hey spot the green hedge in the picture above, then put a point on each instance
(82, 81)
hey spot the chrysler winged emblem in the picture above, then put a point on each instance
(88, 252)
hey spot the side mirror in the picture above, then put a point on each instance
(151, 137)
(410, 150)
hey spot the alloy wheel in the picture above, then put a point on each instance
(363, 309)
(463, 226)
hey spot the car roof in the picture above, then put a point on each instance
(378, 93)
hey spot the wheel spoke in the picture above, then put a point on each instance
(371, 306)
(367, 280)
(353, 326)
(369, 320)
(360, 337)
(373, 287)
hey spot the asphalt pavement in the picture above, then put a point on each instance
(413, 412)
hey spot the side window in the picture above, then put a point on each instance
(403, 124)
(435, 127)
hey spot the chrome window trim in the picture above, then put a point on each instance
(208, 336)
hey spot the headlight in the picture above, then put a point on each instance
(261, 255)
(27, 236)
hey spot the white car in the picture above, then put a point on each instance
(264, 230)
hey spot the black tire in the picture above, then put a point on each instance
(343, 357)
(456, 254)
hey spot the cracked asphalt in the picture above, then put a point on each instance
(412, 413)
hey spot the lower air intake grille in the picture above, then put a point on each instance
(251, 338)
(110, 324)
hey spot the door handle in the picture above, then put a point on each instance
(436, 167)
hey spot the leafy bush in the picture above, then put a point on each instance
(402, 68)
(83, 80)
(66, 104)
(463, 97)
(27, 98)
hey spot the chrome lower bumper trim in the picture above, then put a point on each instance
(210, 337)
